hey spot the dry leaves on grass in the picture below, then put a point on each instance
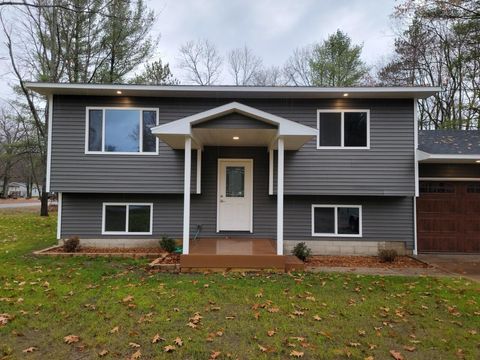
(297, 354)
(136, 355)
(178, 341)
(169, 348)
(103, 353)
(30, 349)
(5, 318)
(157, 338)
(71, 339)
(396, 355)
(271, 333)
(114, 330)
(134, 345)
(214, 355)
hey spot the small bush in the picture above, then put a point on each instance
(387, 255)
(71, 244)
(168, 244)
(302, 251)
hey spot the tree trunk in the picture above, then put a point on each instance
(5, 186)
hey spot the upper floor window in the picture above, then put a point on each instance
(121, 130)
(343, 129)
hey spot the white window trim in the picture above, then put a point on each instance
(342, 127)
(126, 232)
(336, 234)
(140, 110)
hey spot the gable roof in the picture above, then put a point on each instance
(451, 142)
(295, 134)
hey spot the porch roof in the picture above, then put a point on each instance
(295, 135)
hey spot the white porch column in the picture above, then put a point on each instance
(186, 194)
(281, 149)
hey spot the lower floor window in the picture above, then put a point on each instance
(340, 220)
(131, 218)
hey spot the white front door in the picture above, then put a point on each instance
(235, 195)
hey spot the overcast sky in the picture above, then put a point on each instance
(271, 28)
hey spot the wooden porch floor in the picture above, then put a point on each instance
(237, 253)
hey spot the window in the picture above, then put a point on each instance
(473, 188)
(337, 220)
(435, 187)
(121, 131)
(343, 129)
(131, 218)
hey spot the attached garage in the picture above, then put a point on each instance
(448, 208)
(448, 217)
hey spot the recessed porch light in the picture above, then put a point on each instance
(477, 161)
(236, 138)
(119, 92)
(345, 94)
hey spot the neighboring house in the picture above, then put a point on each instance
(19, 190)
(448, 209)
(333, 167)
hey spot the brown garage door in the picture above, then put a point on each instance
(448, 217)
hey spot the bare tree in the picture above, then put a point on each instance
(202, 62)
(272, 76)
(297, 69)
(243, 65)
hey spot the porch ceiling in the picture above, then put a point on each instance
(295, 135)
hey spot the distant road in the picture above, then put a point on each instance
(19, 205)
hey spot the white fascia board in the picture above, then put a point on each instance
(424, 156)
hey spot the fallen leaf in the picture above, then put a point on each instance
(30, 349)
(134, 345)
(317, 318)
(271, 333)
(215, 354)
(396, 355)
(409, 348)
(114, 330)
(178, 341)
(127, 299)
(157, 338)
(169, 348)
(273, 310)
(5, 318)
(71, 339)
(262, 348)
(297, 354)
(103, 353)
(136, 355)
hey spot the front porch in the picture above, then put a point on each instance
(225, 253)
(231, 179)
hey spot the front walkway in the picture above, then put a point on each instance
(464, 265)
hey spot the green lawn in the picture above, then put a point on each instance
(119, 306)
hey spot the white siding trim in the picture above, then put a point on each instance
(127, 205)
(140, 144)
(335, 233)
(186, 194)
(59, 215)
(448, 179)
(270, 171)
(415, 236)
(415, 134)
(49, 143)
(342, 127)
(199, 171)
(280, 169)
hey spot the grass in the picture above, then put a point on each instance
(323, 316)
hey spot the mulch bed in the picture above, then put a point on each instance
(97, 250)
(363, 261)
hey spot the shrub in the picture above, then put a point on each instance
(168, 244)
(71, 244)
(387, 255)
(302, 251)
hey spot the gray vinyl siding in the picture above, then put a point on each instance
(384, 218)
(449, 170)
(385, 169)
(234, 121)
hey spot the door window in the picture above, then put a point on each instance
(235, 181)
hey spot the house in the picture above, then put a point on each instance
(224, 166)
(448, 209)
(19, 189)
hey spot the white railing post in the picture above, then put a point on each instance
(280, 149)
(186, 194)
